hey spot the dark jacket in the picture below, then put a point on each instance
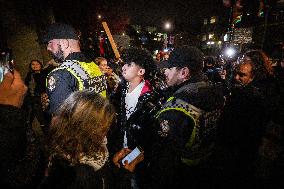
(20, 150)
(138, 127)
(35, 84)
(32, 102)
(249, 113)
(62, 175)
(64, 82)
(174, 131)
(13, 143)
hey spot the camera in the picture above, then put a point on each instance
(6, 63)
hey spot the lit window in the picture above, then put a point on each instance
(204, 38)
(211, 36)
(226, 37)
(212, 19)
(205, 21)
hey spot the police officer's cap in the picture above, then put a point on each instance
(186, 56)
(60, 31)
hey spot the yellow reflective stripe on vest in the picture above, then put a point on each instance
(73, 73)
(193, 113)
(190, 162)
(192, 137)
(94, 71)
(169, 99)
(82, 71)
(180, 105)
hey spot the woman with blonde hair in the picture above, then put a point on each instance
(77, 147)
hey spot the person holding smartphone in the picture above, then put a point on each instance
(134, 101)
(78, 155)
(128, 159)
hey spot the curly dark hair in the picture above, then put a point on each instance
(142, 58)
(80, 126)
(262, 66)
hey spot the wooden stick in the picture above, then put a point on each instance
(112, 43)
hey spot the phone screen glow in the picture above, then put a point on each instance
(131, 156)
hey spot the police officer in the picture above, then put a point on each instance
(75, 72)
(193, 106)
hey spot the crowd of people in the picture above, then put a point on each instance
(198, 123)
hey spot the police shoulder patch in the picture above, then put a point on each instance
(51, 83)
(164, 128)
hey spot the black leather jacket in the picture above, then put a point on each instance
(138, 126)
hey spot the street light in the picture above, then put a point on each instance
(168, 25)
(99, 16)
(230, 52)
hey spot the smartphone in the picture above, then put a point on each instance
(132, 155)
(6, 64)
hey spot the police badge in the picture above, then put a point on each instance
(164, 128)
(51, 83)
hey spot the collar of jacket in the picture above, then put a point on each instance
(77, 56)
(145, 94)
(146, 88)
(100, 160)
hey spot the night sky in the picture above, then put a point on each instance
(145, 12)
(185, 15)
(157, 11)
